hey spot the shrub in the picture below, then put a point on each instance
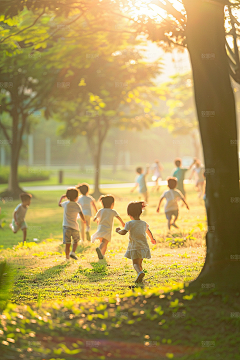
(6, 282)
(24, 174)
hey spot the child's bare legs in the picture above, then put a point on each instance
(82, 230)
(103, 245)
(200, 187)
(174, 221)
(74, 247)
(67, 250)
(24, 234)
(145, 196)
(137, 264)
(169, 224)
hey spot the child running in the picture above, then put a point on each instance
(70, 225)
(138, 248)
(105, 218)
(157, 169)
(141, 182)
(198, 171)
(18, 221)
(180, 172)
(172, 196)
(86, 202)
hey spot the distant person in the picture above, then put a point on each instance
(18, 221)
(171, 207)
(138, 248)
(70, 225)
(157, 174)
(179, 173)
(105, 218)
(141, 182)
(87, 202)
(198, 171)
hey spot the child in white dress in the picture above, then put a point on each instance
(105, 218)
(138, 248)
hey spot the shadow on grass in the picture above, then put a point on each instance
(98, 272)
(50, 273)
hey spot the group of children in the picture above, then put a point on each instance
(78, 204)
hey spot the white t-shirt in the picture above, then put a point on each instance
(85, 202)
(172, 196)
(20, 212)
(71, 211)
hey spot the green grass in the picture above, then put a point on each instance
(41, 267)
(85, 309)
(107, 176)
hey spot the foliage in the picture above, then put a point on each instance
(25, 174)
(181, 117)
(6, 283)
(168, 322)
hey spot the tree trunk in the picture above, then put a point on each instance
(14, 189)
(217, 120)
(97, 162)
(196, 145)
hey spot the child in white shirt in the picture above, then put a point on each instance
(18, 221)
(87, 202)
(171, 207)
(70, 224)
(105, 218)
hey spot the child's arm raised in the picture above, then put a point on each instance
(153, 241)
(121, 232)
(193, 163)
(160, 201)
(191, 175)
(120, 219)
(61, 198)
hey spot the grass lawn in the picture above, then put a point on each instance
(42, 272)
(85, 309)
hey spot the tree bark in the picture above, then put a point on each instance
(217, 121)
(96, 151)
(14, 189)
(196, 145)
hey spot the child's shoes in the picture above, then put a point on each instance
(88, 236)
(140, 277)
(99, 253)
(73, 255)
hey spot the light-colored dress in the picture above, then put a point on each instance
(138, 247)
(104, 229)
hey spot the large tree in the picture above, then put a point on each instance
(122, 91)
(200, 27)
(180, 116)
(217, 120)
(40, 67)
